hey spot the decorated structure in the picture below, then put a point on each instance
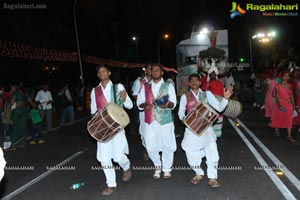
(198, 53)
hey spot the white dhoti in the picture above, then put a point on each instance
(196, 147)
(114, 149)
(160, 138)
(142, 127)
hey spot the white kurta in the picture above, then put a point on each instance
(43, 97)
(136, 91)
(117, 147)
(159, 138)
(205, 145)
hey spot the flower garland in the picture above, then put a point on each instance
(24, 51)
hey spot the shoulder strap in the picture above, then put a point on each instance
(114, 91)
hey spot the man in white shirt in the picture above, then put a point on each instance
(228, 80)
(117, 147)
(196, 146)
(135, 89)
(159, 126)
(45, 100)
(139, 84)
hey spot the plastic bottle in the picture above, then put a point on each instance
(77, 185)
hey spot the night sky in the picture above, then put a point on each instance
(101, 22)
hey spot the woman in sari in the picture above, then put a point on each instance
(19, 103)
(282, 114)
(270, 99)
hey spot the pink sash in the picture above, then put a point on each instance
(191, 101)
(149, 114)
(100, 98)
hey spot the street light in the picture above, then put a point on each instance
(166, 36)
(135, 39)
(263, 38)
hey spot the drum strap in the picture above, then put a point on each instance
(115, 96)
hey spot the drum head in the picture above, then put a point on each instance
(118, 114)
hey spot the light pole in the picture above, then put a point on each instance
(165, 37)
(116, 41)
(77, 41)
(135, 39)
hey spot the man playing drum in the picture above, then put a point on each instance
(159, 127)
(196, 146)
(117, 147)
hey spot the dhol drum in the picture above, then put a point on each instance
(200, 118)
(233, 109)
(108, 122)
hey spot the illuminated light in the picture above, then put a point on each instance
(166, 36)
(279, 173)
(204, 31)
(134, 38)
(272, 34)
(237, 124)
(260, 35)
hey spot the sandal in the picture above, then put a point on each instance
(156, 174)
(196, 179)
(127, 175)
(167, 175)
(108, 191)
(213, 183)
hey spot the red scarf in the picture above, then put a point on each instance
(100, 98)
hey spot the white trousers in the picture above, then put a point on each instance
(194, 159)
(114, 149)
(142, 127)
(160, 138)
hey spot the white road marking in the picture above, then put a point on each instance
(276, 161)
(42, 176)
(278, 183)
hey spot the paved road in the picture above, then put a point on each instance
(244, 169)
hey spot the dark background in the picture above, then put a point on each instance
(105, 24)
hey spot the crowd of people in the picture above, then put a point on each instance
(153, 99)
(26, 110)
(278, 93)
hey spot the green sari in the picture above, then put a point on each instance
(19, 117)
